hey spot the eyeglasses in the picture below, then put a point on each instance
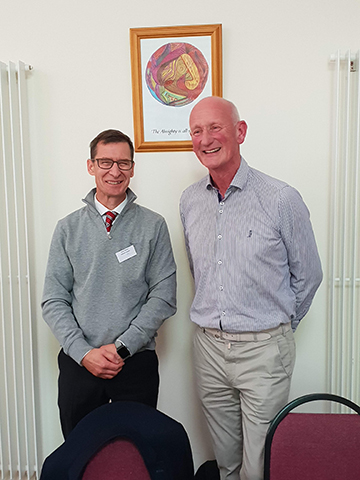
(107, 163)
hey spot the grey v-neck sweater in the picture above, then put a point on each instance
(90, 297)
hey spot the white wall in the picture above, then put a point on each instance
(276, 71)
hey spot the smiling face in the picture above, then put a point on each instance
(111, 185)
(216, 133)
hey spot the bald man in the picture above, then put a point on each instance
(256, 268)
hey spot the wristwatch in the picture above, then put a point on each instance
(122, 350)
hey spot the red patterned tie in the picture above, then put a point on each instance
(110, 217)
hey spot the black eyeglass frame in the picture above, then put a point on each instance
(112, 164)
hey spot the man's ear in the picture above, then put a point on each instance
(241, 128)
(90, 167)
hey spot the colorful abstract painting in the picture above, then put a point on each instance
(176, 74)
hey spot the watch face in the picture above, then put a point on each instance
(123, 352)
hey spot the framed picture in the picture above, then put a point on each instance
(172, 69)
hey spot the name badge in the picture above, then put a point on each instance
(126, 253)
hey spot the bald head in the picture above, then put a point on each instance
(217, 132)
(217, 103)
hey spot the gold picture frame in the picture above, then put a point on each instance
(147, 40)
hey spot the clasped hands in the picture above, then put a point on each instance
(103, 362)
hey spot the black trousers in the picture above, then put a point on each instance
(80, 392)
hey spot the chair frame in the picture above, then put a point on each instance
(287, 409)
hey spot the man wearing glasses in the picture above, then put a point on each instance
(110, 284)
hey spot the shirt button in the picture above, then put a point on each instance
(219, 236)
(223, 314)
(221, 203)
(221, 288)
(219, 262)
(221, 211)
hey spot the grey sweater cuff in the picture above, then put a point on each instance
(78, 349)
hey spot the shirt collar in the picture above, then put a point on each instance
(239, 179)
(102, 209)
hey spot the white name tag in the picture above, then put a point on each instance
(126, 253)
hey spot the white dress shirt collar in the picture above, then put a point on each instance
(102, 209)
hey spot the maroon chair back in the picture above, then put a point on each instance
(118, 460)
(313, 446)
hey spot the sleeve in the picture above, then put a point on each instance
(161, 299)
(57, 298)
(303, 257)
(186, 238)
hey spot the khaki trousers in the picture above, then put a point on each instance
(242, 385)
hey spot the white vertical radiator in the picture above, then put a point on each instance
(18, 451)
(344, 298)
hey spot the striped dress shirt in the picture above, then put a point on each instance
(252, 253)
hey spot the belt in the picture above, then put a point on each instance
(248, 336)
